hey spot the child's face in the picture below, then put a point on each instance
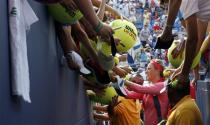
(137, 79)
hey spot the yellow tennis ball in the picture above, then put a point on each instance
(126, 32)
(166, 73)
(63, 15)
(106, 98)
(176, 62)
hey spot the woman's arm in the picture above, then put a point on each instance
(86, 7)
(133, 95)
(152, 89)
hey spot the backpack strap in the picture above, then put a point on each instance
(157, 107)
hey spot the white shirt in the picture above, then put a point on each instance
(200, 7)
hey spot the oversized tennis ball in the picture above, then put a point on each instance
(176, 62)
(106, 98)
(63, 15)
(126, 32)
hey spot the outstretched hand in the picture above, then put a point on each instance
(99, 90)
(176, 72)
(127, 69)
(178, 50)
(166, 34)
(112, 104)
(119, 71)
(106, 33)
(179, 76)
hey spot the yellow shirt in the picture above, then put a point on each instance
(127, 112)
(185, 112)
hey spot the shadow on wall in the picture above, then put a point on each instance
(56, 92)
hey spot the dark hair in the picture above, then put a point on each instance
(176, 93)
(139, 76)
(183, 89)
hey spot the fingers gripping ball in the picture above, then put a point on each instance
(176, 62)
(106, 61)
(106, 98)
(63, 15)
(127, 34)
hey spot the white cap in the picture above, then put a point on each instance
(84, 70)
(77, 59)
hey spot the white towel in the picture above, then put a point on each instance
(21, 16)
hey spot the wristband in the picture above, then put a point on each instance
(99, 27)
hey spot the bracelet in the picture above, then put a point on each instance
(99, 27)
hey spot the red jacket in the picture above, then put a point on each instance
(146, 93)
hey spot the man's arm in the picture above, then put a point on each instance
(174, 6)
(86, 7)
(191, 27)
